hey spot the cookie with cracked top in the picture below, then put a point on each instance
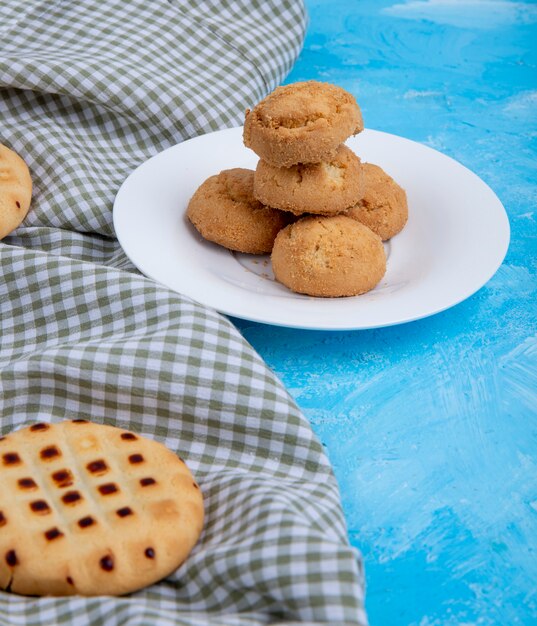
(328, 257)
(223, 210)
(325, 188)
(303, 122)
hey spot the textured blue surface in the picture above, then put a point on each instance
(432, 426)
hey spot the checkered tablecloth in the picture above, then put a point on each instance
(88, 91)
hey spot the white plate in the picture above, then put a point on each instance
(456, 237)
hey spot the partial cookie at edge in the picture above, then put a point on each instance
(90, 509)
(15, 190)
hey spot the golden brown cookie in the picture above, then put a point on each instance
(89, 509)
(302, 123)
(224, 211)
(383, 207)
(328, 257)
(15, 190)
(325, 188)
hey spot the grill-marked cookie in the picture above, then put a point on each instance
(90, 509)
(328, 257)
(325, 188)
(383, 207)
(302, 123)
(15, 190)
(223, 210)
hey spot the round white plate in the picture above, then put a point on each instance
(455, 239)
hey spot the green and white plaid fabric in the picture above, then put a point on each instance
(88, 91)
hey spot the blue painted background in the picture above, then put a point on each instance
(432, 426)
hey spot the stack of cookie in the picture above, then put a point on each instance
(320, 212)
(298, 131)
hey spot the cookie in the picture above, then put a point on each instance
(302, 123)
(224, 211)
(15, 190)
(328, 257)
(89, 509)
(325, 188)
(383, 207)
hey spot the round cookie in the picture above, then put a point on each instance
(224, 211)
(301, 123)
(89, 509)
(323, 188)
(383, 207)
(328, 257)
(15, 190)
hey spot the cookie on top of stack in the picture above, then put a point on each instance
(320, 212)
(298, 131)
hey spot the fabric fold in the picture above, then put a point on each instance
(88, 91)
